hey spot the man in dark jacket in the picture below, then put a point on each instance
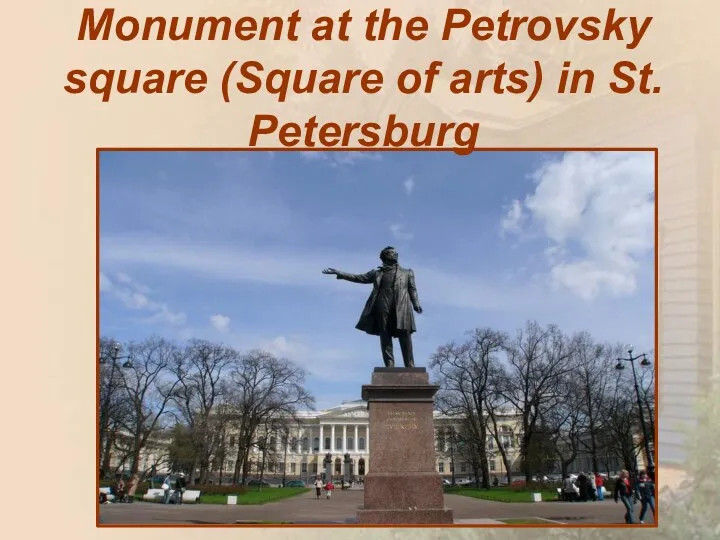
(388, 311)
(179, 488)
(645, 490)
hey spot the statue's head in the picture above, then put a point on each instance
(389, 255)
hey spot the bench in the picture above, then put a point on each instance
(107, 492)
(157, 495)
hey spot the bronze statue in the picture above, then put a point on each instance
(388, 311)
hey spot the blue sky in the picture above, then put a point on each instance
(229, 246)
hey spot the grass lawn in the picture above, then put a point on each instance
(501, 494)
(255, 497)
(524, 521)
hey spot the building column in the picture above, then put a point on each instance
(322, 439)
(344, 444)
(332, 438)
(367, 440)
(355, 440)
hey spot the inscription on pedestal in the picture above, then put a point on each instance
(401, 420)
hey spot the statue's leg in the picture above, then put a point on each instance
(386, 345)
(406, 347)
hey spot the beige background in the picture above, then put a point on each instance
(48, 199)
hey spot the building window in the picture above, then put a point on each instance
(361, 443)
(292, 468)
(338, 466)
(232, 440)
(271, 467)
(303, 467)
(492, 464)
(491, 443)
(338, 443)
(294, 445)
(314, 468)
(507, 441)
(463, 467)
(350, 443)
(327, 443)
(305, 444)
(316, 444)
(230, 465)
(273, 443)
(441, 467)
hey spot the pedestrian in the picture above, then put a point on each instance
(120, 489)
(593, 486)
(568, 489)
(318, 487)
(624, 492)
(582, 484)
(600, 484)
(179, 488)
(329, 489)
(646, 492)
(166, 489)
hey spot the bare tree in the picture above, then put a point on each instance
(538, 359)
(464, 372)
(565, 423)
(147, 387)
(199, 390)
(593, 375)
(265, 387)
(503, 435)
(621, 415)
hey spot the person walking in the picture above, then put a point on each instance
(646, 494)
(583, 485)
(329, 489)
(318, 487)
(624, 492)
(593, 486)
(568, 489)
(120, 490)
(166, 489)
(599, 485)
(179, 488)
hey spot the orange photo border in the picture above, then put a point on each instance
(100, 150)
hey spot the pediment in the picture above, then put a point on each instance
(356, 412)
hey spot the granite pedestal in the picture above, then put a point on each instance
(403, 486)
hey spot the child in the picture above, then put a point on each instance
(329, 488)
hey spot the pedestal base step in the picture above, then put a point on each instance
(439, 516)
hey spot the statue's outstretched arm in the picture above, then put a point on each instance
(367, 277)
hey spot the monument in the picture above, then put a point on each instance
(403, 487)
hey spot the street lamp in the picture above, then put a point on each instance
(644, 363)
(115, 357)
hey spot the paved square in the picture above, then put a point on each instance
(341, 509)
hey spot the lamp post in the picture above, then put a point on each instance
(644, 363)
(114, 358)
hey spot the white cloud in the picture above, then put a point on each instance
(398, 233)
(597, 212)
(134, 296)
(236, 263)
(514, 218)
(338, 159)
(409, 185)
(220, 322)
